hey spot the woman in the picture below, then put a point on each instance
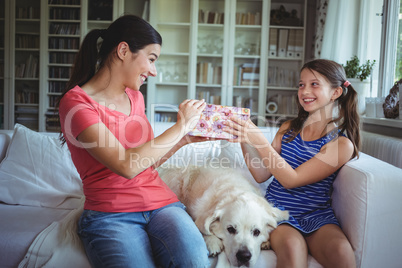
(131, 218)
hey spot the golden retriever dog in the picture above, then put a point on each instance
(227, 208)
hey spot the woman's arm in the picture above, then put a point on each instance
(132, 161)
(331, 157)
(183, 142)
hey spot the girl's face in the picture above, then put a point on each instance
(315, 92)
(142, 65)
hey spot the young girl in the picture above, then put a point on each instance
(304, 158)
(131, 218)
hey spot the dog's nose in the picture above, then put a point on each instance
(243, 255)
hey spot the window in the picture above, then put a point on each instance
(390, 67)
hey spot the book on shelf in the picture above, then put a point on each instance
(64, 2)
(208, 73)
(211, 99)
(26, 41)
(26, 110)
(28, 12)
(248, 18)
(27, 69)
(56, 13)
(282, 77)
(64, 28)
(211, 17)
(246, 74)
(27, 95)
(161, 117)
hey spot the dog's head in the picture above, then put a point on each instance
(243, 225)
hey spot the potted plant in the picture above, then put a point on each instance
(353, 69)
(358, 76)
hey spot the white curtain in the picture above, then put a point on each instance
(340, 37)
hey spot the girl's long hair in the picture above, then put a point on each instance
(348, 120)
(93, 56)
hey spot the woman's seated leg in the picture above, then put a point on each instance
(116, 239)
(176, 240)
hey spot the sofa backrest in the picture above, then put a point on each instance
(388, 149)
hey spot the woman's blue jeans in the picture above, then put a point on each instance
(166, 237)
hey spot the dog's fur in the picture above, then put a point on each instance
(227, 208)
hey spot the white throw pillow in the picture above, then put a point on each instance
(38, 171)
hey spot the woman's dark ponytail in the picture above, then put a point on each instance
(85, 60)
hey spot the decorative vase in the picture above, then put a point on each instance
(363, 90)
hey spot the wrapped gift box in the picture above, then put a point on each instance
(212, 118)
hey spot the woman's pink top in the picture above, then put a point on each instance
(105, 190)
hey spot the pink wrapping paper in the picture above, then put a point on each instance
(212, 118)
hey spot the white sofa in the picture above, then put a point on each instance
(40, 191)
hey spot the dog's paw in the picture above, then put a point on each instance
(214, 245)
(266, 245)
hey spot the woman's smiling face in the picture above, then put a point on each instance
(315, 91)
(141, 66)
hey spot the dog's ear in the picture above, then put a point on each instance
(279, 215)
(204, 222)
(276, 215)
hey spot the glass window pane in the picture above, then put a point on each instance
(398, 67)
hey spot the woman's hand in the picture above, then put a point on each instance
(189, 113)
(187, 139)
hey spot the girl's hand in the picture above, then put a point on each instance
(246, 131)
(189, 113)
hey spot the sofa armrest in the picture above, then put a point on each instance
(367, 201)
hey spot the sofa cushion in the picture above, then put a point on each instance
(4, 142)
(366, 201)
(38, 171)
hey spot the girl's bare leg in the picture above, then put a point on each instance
(290, 247)
(331, 248)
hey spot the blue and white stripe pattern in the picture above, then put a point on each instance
(309, 206)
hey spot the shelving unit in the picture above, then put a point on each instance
(63, 37)
(172, 83)
(231, 53)
(225, 51)
(285, 64)
(3, 62)
(25, 58)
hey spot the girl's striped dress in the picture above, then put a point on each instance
(309, 206)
